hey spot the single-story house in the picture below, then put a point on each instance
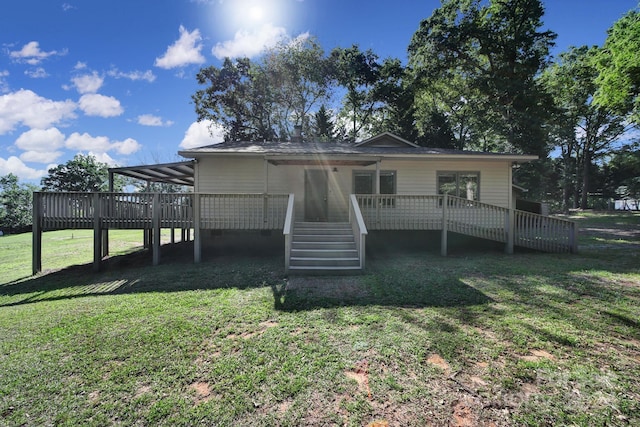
(324, 197)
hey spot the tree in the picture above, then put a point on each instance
(488, 54)
(618, 65)
(265, 100)
(16, 203)
(623, 170)
(583, 131)
(323, 128)
(82, 173)
(358, 72)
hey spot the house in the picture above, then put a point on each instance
(325, 198)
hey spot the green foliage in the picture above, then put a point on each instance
(618, 64)
(16, 203)
(486, 54)
(257, 101)
(323, 128)
(358, 72)
(582, 130)
(82, 173)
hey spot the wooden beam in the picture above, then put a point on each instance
(443, 238)
(97, 233)
(197, 248)
(36, 257)
(155, 228)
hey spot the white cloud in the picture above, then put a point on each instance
(88, 83)
(185, 51)
(103, 158)
(27, 108)
(80, 66)
(94, 104)
(202, 133)
(31, 53)
(40, 156)
(41, 140)
(132, 75)
(38, 73)
(128, 146)
(151, 120)
(250, 44)
(101, 144)
(16, 166)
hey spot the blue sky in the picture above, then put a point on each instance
(115, 78)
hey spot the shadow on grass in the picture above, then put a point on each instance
(309, 293)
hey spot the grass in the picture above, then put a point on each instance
(477, 338)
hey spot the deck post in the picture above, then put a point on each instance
(510, 229)
(155, 228)
(36, 258)
(573, 238)
(443, 238)
(97, 233)
(197, 249)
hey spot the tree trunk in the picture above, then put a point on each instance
(585, 179)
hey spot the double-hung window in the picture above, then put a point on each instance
(460, 184)
(364, 183)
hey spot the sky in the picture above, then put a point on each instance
(114, 79)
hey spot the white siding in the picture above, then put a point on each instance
(246, 175)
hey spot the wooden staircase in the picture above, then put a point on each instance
(323, 248)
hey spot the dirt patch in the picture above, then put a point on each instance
(202, 391)
(463, 413)
(94, 397)
(143, 389)
(360, 374)
(537, 355)
(438, 361)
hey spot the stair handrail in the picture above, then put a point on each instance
(287, 231)
(359, 228)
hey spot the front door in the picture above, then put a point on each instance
(315, 195)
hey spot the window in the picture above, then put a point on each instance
(363, 183)
(460, 184)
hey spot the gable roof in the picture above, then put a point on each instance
(386, 139)
(385, 145)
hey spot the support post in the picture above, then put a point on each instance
(155, 227)
(573, 238)
(510, 229)
(197, 249)
(97, 233)
(36, 257)
(173, 235)
(443, 238)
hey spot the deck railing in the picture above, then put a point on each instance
(359, 228)
(473, 218)
(172, 210)
(287, 230)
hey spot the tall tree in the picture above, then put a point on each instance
(358, 72)
(618, 64)
(265, 100)
(323, 128)
(16, 201)
(582, 130)
(493, 51)
(82, 173)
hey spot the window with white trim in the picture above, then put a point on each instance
(363, 183)
(460, 184)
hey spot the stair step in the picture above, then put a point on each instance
(322, 238)
(323, 245)
(324, 262)
(324, 253)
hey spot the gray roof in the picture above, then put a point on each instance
(335, 149)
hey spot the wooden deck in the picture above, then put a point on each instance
(200, 211)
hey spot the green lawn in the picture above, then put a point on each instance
(471, 339)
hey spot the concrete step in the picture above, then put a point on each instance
(315, 271)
